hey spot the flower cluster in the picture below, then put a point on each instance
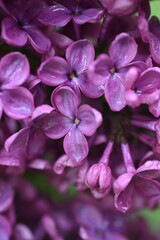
(80, 110)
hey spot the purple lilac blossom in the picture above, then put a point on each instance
(80, 137)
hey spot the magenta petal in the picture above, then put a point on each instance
(21, 231)
(123, 200)
(91, 15)
(147, 187)
(79, 55)
(150, 169)
(6, 196)
(99, 71)
(5, 228)
(17, 140)
(123, 50)
(54, 71)
(14, 70)
(149, 80)
(12, 34)
(38, 40)
(90, 119)
(55, 15)
(88, 88)
(41, 111)
(115, 92)
(18, 103)
(40, 164)
(155, 50)
(65, 101)
(75, 145)
(56, 125)
(36, 143)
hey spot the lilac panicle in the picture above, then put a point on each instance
(17, 102)
(57, 71)
(72, 122)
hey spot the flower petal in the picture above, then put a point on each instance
(5, 228)
(123, 50)
(146, 187)
(55, 15)
(123, 200)
(6, 196)
(115, 92)
(56, 125)
(54, 71)
(79, 55)
(17, 140)
(12, 34)
(91, 15)
(18, 103)
(14, 70)
(65, 100)
(90, 119)
(39, 41)
(149, 80)
(76, 145)
(98, 71)
(88, 88)
(155, 51)
(150, 169)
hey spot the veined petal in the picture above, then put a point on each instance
(75, 145)
(115, 93)
(149, 80)
(17, 140)
(79, 55)
(147, 187)
(65, 100)
(123, 50)
(98, 71)
(155, 51)
(38, 40)
(55, 15)
(14, 70)
(54, 71)
(18, 103)
(150, 169)
(91, 15)
(55, 125)
(12, 34)
(90, 119)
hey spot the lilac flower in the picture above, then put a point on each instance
(110, 70)
(5, 228)
(71, 121)
(16, 101)
(30, 138)
(149, 31)
(144, 89)
(142, 180)
(22, 25)
(117, 7)
(80, 12)
(57, 71)
(99, 176)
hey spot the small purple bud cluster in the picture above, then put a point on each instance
(79, 103)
